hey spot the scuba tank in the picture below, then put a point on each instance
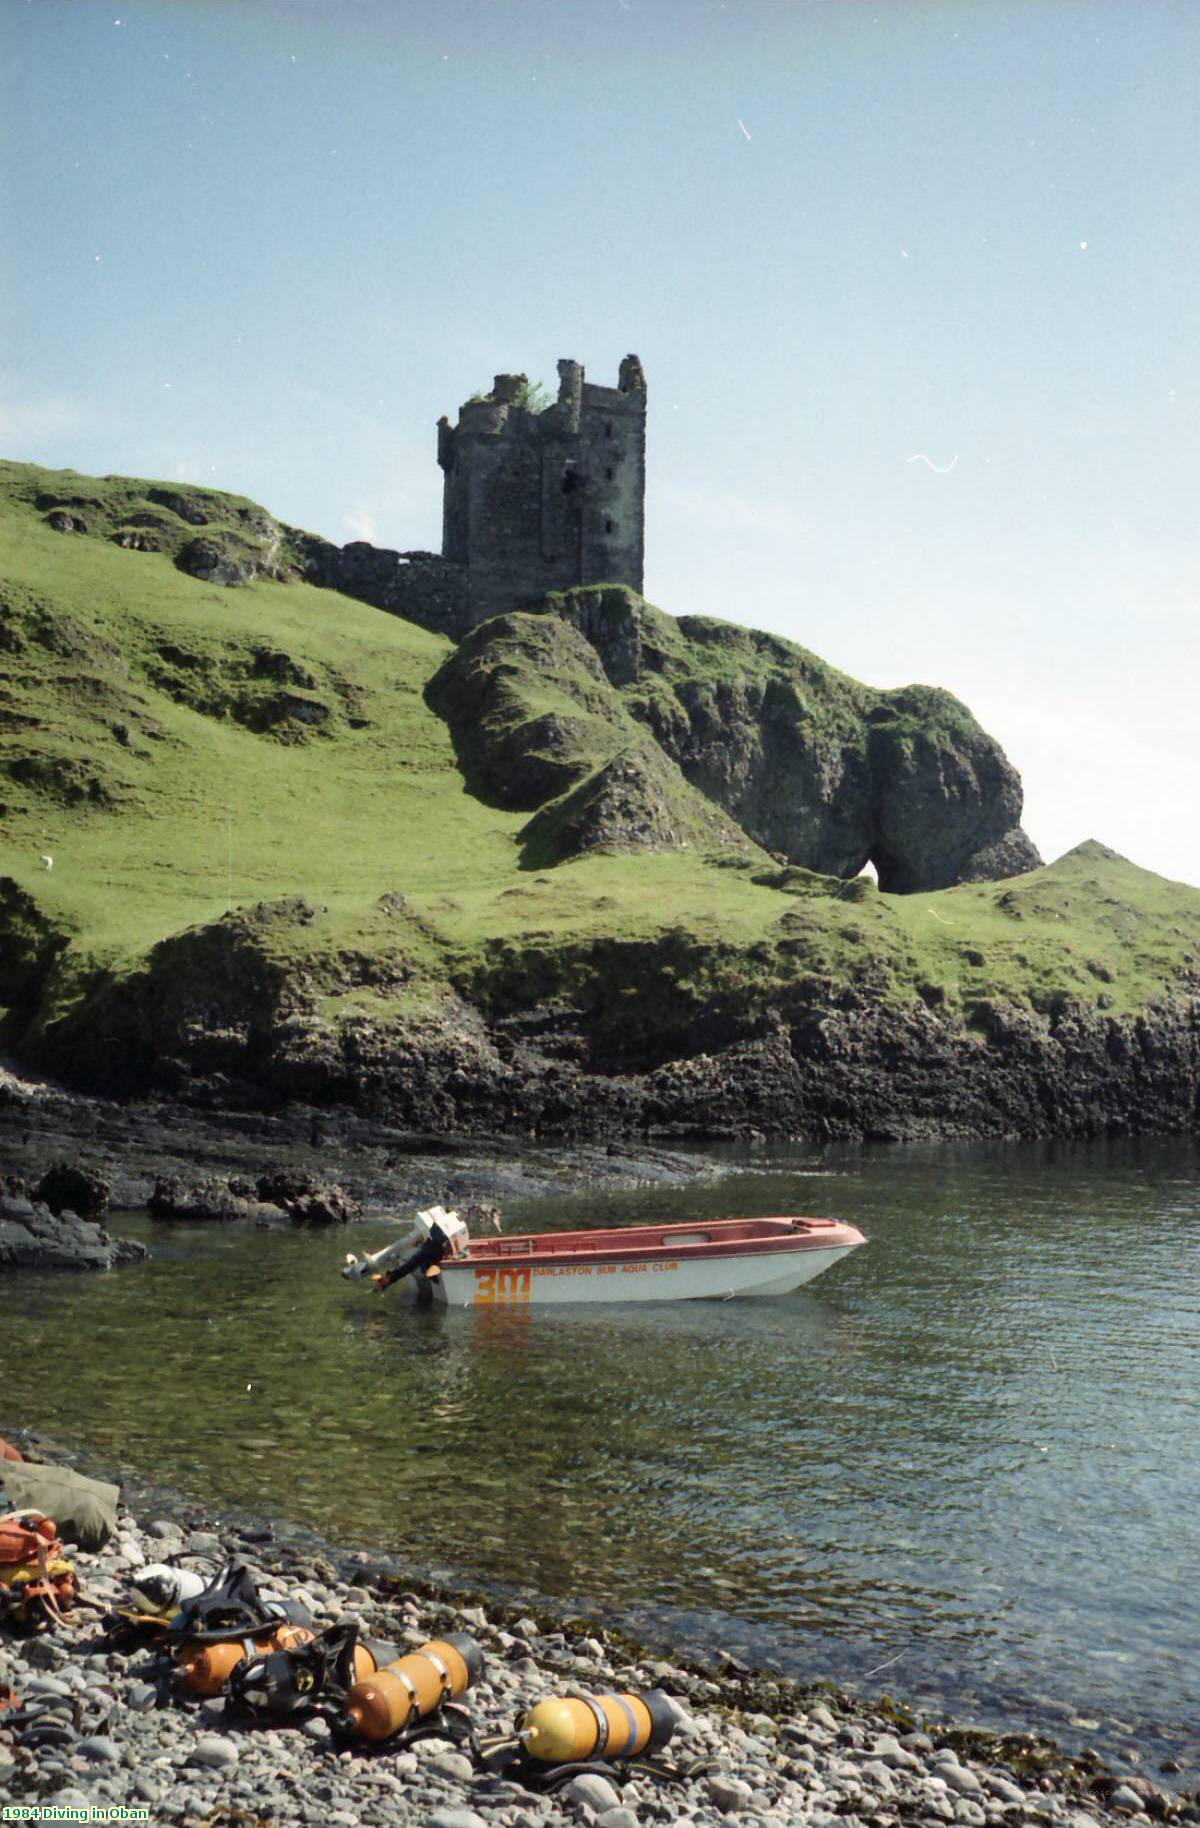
(571, 1729)
(277, 1683)
(227, 1621)
(205, 1669)
(415, 1685)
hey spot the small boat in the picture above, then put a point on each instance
(715, 1260)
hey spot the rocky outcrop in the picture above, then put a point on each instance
(66, 1188)
(308, 1200)
(32, 1237)
(635, 801)
(811, 764)
(210, 1197)
(805, 762)
(283, 1193)
(670, 1038)
(529, 709)
(240, 541)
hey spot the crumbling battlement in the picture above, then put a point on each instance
(533, 501)
(537, 501)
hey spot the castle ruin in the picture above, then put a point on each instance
(533, 501)
(538, 501)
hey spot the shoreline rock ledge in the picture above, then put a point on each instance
(34, 1237)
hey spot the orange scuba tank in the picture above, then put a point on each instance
(415, 1685)
(204, 1669)
(570, 1729)
(278, 1684)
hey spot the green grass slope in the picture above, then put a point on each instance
(182, 749)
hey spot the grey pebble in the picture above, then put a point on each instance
(453, 1765)
(728, 1793)
(141, 1696)
(46, 1685)
(213, 1750)
(617, 1818)
(203, 1542)
(1123, 1797)
(454, 1818)
(100, 1749)
(960, 1778)
(318, 1729)
(889, 1748)
(594, 1790)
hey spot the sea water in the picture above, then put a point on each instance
(962, 1467)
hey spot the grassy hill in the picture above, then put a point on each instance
(184, 750)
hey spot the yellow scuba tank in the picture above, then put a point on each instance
(570, 1729)
(413, 1686)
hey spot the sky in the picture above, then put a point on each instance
(914, 284)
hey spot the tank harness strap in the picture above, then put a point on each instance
(600, 1717)
(431, 1656)
(631, 1742)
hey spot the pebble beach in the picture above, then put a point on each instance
(756, 1751)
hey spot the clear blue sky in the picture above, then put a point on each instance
(914, 285)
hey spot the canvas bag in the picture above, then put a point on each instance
(84, 1509)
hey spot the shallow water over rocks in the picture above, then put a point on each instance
(964, 1466)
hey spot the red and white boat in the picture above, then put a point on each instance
(715, 1260)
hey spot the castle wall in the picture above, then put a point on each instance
(545, 501)
(532, 502)
(421, 586)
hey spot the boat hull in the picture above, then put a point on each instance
(560, 1284)
(717, 1260)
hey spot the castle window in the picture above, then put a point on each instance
(608, 526)
(608, 472)
(608, 431)
(571, 482)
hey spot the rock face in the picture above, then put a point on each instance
(303, 1198)
(32, 1237)
(635, 801)
(805, 761)
(536, 724)
(68, 1188)
(668, 1038)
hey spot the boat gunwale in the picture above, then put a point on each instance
(488, 1253)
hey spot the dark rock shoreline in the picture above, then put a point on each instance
(381, 1167)
(835, 1063)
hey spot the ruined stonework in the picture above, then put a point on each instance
(540, 501)
(420, 586)
(533, 501)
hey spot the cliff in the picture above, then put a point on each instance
(302, 850)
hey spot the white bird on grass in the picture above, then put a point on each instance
(48, 863)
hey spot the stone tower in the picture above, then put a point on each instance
(538, 501)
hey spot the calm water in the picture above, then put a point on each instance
(970, 1452)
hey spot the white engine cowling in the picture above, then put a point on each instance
(379, 1260)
